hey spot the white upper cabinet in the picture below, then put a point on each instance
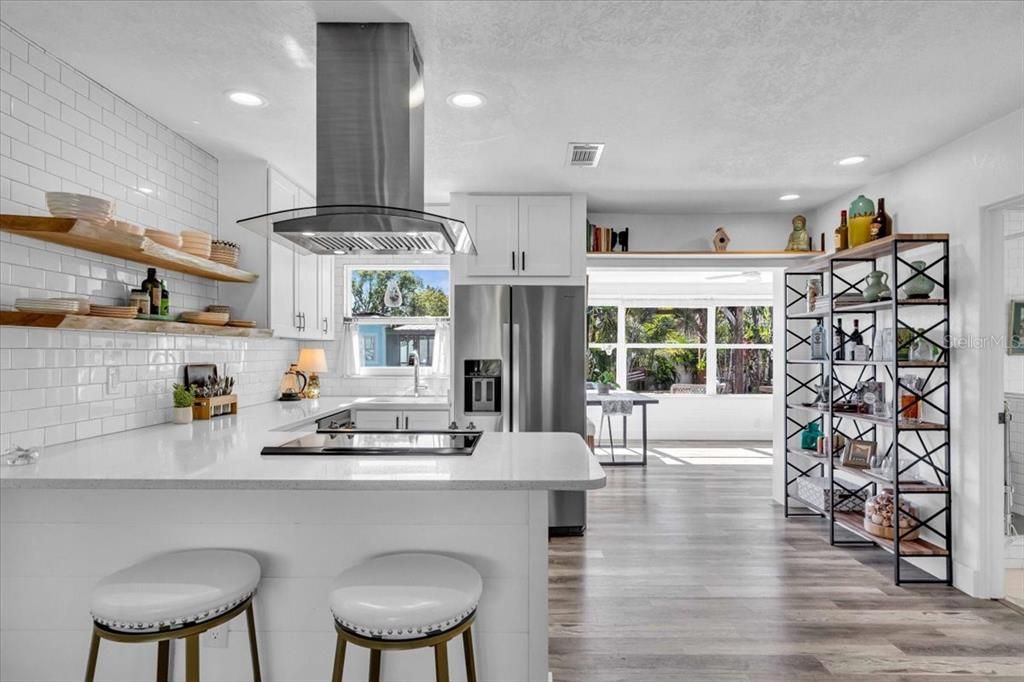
(545, 236)
(295, 292)
(529, 239)
(494, 227)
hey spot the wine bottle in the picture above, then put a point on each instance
(842, 233)
(839, 348)
(881, 224)
(151, 287)
(165, 299)
(855, 337)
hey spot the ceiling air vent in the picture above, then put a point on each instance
(584, 154)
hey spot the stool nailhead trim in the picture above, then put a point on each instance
(177, 622)
(405, 633)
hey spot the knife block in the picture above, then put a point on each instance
(217, 406)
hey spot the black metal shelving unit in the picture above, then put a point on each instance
(918, 450)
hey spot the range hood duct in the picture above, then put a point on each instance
(369, 151)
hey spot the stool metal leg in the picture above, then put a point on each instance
(441, 662)
(339, 659)
(163, 660)
(94, 652)
(192, 658)
(467, 648)
(374, 665)
(253, 649)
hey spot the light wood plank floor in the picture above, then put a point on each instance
(689, 572)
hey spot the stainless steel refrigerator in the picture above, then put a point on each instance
(519, 365)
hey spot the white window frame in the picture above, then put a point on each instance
(425, 370)
(710, 348)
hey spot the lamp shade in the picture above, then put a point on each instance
(312, 360)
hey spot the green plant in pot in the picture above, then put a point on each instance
(606, 381)
(184, 398)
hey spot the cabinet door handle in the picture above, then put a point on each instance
(522, 264)
(396, 422)
(298, 321)
(513, 261)
(406, 423)
(325, 325)
(303, 327)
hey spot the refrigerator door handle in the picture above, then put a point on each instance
(515, 377)
(505, 420)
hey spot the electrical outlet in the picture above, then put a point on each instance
(113, 381)
(215, 638)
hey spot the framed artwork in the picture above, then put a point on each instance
(858, 454)
(1015, 339)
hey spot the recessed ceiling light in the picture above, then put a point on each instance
(309, 234)
(466, 100)
(195, 123)
(145, 190)
(851, 160)
(246, 99)
(340, 252)
(789, 197)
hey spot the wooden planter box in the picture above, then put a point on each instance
(218, 406)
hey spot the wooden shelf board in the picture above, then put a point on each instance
(96, 323)
(815, 315)
(901, 364)
(886, 305)
(867, 252)
(854, 522)
(881, 421)
(80, 234)
(804, 452)
(910, 487)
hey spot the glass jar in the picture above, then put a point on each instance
(880, 516)
(139, 300)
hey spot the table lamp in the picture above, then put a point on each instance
(312, 360)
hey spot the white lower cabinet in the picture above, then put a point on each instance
(415, 420)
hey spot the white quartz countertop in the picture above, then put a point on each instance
(224, 453)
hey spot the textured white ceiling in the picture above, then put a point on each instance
(704, 106)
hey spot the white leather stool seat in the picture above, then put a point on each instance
(405, 596)
(175, 589)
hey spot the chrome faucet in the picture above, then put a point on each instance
(414, 360)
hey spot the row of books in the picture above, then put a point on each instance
(605, 239)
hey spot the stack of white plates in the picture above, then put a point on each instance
(81, 206)
(54, 306)
(196, 242)
(168, 239)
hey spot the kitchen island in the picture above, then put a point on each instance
(88, 508)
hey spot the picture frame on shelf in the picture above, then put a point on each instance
(1015, 337)
(858, 453)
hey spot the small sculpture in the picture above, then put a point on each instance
(799, 240)
(721, 240)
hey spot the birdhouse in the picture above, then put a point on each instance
(720, 240)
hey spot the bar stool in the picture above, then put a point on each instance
(406, 601)
(178, 595)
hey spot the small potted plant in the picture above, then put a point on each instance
(606, 382)
(183, 399)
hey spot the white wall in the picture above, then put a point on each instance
(948, 190)
(59, 130)
(747, 231)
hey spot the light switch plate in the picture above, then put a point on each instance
(113, 381)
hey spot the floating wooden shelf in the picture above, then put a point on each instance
(113, 324)
(80, 234)
(751, 255)
(868, 252)
(854, 522)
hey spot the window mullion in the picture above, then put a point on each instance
(621, 364)
(711, 358)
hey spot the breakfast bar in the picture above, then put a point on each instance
(88, 508)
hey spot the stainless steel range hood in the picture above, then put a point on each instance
(369, 151)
